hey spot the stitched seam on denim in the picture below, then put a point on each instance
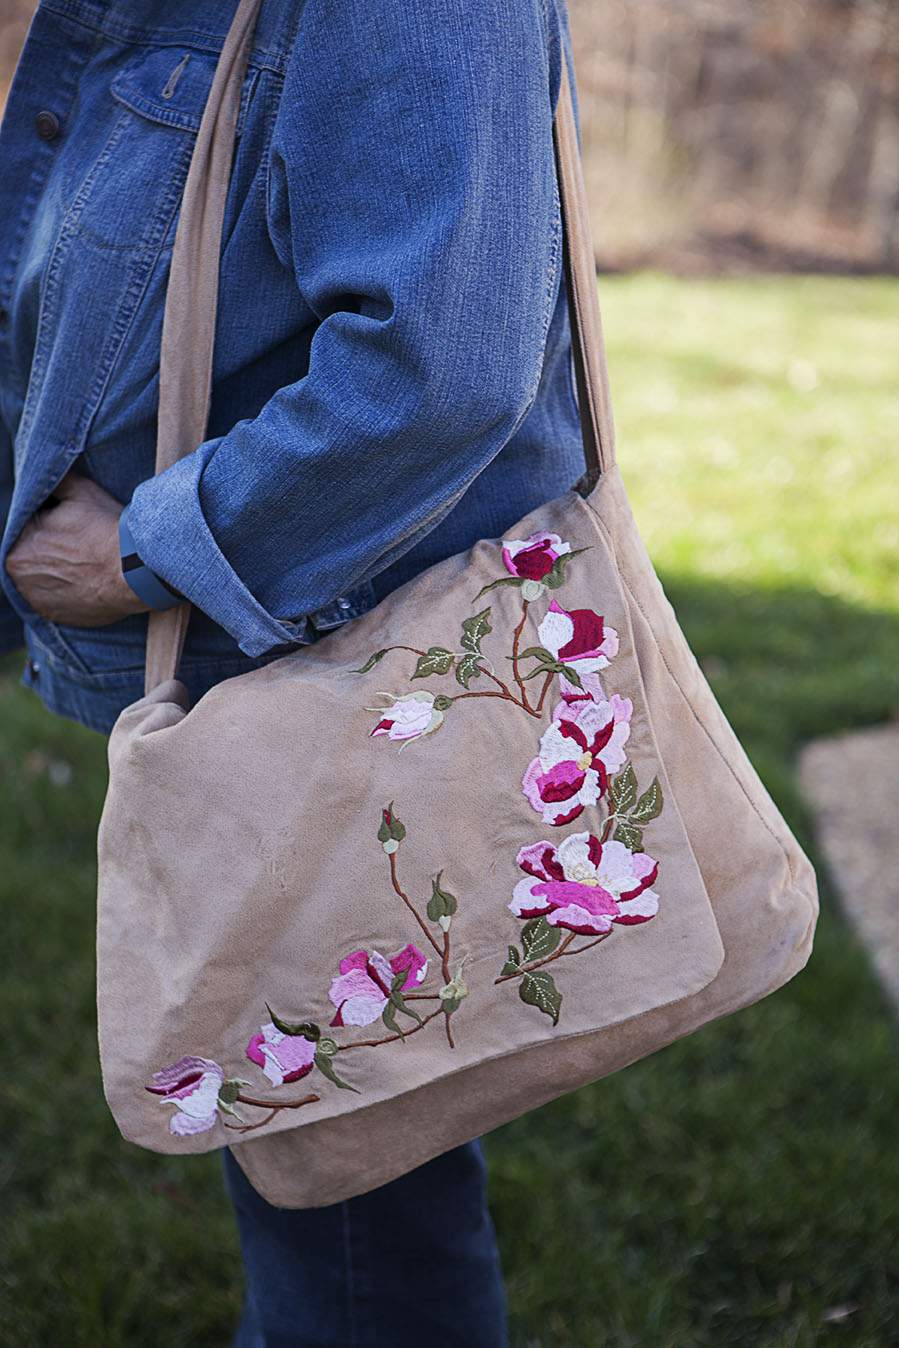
(86, 16)
(676, 682)
(146, 107)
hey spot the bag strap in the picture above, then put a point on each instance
(188, 327)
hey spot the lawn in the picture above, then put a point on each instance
(740, 1188)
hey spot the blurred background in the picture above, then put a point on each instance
(742, 1187)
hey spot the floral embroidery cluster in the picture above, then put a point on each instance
(572, 895)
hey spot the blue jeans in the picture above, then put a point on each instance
(413, 1260)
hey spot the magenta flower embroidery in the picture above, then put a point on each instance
(534, 557)
(582, 745)
(282, 1057)
(409, 717)
(192, 1085)
(585, 885)
(579, 638)
(362, 988)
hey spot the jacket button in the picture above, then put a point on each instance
(47, 125)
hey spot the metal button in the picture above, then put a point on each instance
(344, 604)
(47, 125)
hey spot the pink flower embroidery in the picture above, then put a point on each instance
(410, 717)
(585, 885)
(361, 990)
(192, 1085)
(534, 557)
(579, 638)
(282, 1057)
(582, 745)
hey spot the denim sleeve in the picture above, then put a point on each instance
(11, 630)
(412, 197)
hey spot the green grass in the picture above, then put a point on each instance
(741, 1188)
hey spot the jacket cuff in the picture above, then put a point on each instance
(12, 630)
(173, 539)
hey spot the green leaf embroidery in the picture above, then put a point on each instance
(536, 653)
(398, 1000)
(623, 789)
(468, 668)
(325, 1065)
(494, 584)
(539, 939)
(513, 962)
(630, 836)
(371, 661)
(571, 675)
(474, 630)
(437, 660)
(556, 577)
(441, 903)
(649, 806)
(388, 1016)
(306, 1029)
(538, 989)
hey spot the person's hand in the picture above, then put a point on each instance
(66, 561)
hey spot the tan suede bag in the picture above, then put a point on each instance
(348, 919)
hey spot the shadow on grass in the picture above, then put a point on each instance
(733, 1190)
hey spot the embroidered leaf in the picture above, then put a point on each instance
(326, 1067)
(536, 653)
(538, 989)
(437, 660)
(494, 584)
(571, 675)
(371, 662)
(388, 1016)
(630, 836)
(396, 996)
(538, 939)
(390, 828)
(228, 1092)
(468, 668)
(623, 790)
(513, 962)
(474, 630)
(441, 903)
(307, 1029)
(649, 806)
(556, 577)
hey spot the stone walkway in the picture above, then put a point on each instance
(852, 785)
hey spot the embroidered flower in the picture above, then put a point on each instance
(362, 989)
(192, 1085)
(411, 716)
(579, 639)
(582, 745)
(282, 1057)
(585, 885)
(534, 557)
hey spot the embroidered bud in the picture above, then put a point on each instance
(328, 1047)
(442, 702)
(452, 994)
(391, 832)
(531, 590)
(441, 905)
(229, 1091)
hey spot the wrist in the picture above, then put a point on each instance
(145, 586)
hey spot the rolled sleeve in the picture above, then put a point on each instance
(412, 199)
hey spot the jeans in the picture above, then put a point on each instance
(413, 1260)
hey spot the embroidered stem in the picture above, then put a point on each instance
(506, 696)
(391, 1039)
(516, 646)
(272, 1106)
(548, 682)
(446, 979)
(557, 955)
(394, 879)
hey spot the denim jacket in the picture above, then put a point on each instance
(392, 375)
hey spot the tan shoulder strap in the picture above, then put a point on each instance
(188, 328)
